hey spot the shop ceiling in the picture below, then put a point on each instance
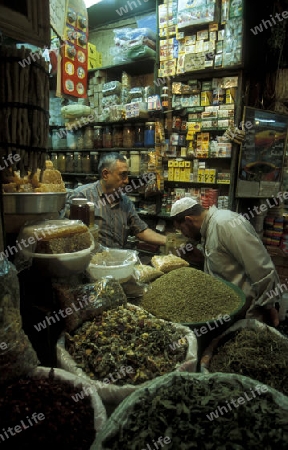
(109, 11)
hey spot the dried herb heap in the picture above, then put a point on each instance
(258, 354)
(67, 424)
(189, 295)
(126, 337)
(179, 410)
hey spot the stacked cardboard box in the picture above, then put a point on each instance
(94, 57)
(94, 91)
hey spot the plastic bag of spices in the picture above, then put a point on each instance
(17, 356)
(84, 302)
(124, 349)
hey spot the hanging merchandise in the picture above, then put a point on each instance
(75, 51)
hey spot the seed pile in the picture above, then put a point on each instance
(67, 424)
(258, 354)
(189, 295)
(182, 410)
(126, 337)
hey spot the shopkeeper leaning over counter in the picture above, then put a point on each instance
(232, 251)
(115, 213)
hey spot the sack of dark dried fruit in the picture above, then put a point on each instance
(50, 408)
(17, 356)
(125, 347)
(201, 411)
(250, 348)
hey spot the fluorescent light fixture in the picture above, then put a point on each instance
(89, 3)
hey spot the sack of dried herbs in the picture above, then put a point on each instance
(17, 356)
(146, 273)
(196, 411)
(50, 407)
(84, 302)
(125, 347)
(253, 349)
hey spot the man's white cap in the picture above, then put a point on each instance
(182, 205)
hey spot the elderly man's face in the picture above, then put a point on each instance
(117, 177)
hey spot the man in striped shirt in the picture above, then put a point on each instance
(115, 213)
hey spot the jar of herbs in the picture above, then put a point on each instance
(98, 137)
(128, 135)
(117, 136)
(107, 137)
(86, 163)
(89, 138)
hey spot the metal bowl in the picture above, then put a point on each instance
(33, 202)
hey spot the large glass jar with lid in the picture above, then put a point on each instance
(107, 136)
(54, 159)
(78, 162)
(86, 162)
(134, 162)
(62, 162)
(139, 135)
(94, 157)
(69, 166)
(128, 135)
(80, 210)
(98, 136)
(89, 137)
(117, 136)
(144, 158)
(71, 140)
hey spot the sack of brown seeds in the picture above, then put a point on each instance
(17, 356)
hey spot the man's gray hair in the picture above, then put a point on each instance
(108, 161)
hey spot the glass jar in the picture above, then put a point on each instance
(134, 162)
(94, 161)
(144, 157)
(107, 137)
(69, 164)
(54, 159)
(62, 162)
(98, 137)
(149, 134)
(71, 140)
(80, 210)
(139, 135)
(78, 162)
(89, 137)
(79, 139)
(86, 163)
(128, 135)
(117, 136)
(91, 214)
(55, 139)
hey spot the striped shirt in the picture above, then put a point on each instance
(115, 214)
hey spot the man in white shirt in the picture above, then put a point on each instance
(232, 251)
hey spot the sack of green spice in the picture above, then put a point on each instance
(17, 356)
(124, 349)
(253, 349)
(199, 411)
